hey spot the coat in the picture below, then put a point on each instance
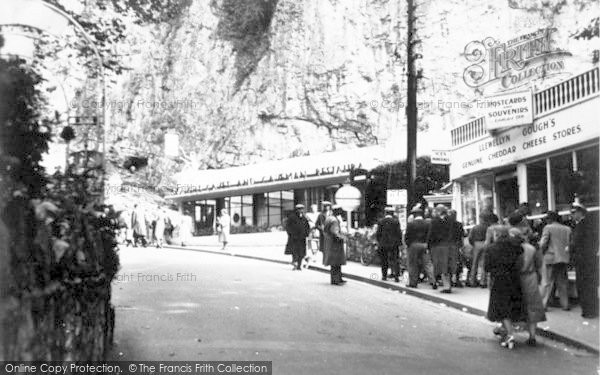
(389, 234)
(333, 249)
(555, 242)
(506, 296)
(224, 223)
(138, 222)
(531, 263)
(297, 229)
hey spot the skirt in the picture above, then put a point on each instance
(440, 256)
(532, 298)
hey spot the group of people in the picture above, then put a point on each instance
(145, 228)
(327, 226)
(522, 267)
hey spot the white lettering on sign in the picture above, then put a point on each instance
(396, 197)
(507, 110)
(564, 128)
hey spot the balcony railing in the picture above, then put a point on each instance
(571, 91)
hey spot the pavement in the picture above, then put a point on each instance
(564, 326)
(181, 305)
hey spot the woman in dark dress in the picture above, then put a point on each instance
(506, 299)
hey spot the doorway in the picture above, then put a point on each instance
(507, 188)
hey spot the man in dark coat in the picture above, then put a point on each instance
(320, 223)
(440, 242)
(584, 250)
(333, 249)
(458, 258)
(297, 228)
(389, 237)
(416, 243)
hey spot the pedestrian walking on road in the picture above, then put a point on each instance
(297, 228)
(159, 229)
(138, 224)
(555, 241)
(440, 242)
(333, 250)
(186, 225)
(531, 265)
(416, 243)
(584, 249)
(506, 300)
(223, 227)
(389, 237)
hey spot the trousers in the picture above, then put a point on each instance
(417, 259)
(389, 258)
(555, 275)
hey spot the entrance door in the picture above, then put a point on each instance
(508, 195)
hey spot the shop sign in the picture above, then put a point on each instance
(548, 133)
(396, 197)
(440, 157)
(507, 110)
(515, 63)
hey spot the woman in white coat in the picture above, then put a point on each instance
(223, 227)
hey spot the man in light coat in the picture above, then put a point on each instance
(333, 249)
(555, 246)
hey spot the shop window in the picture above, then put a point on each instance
(469, 209)
(561, 168)
(585, 182)
(537, 194)
(274, 208)
(247, 209)
(485, 193)
(235, 211)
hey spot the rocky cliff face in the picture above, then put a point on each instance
(280, 78)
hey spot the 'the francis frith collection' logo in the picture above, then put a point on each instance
(514, 63)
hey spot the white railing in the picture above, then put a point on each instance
(568, 92)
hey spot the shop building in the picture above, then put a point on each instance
(549, 162)
(261, 195)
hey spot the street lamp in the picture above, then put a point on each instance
(349, 198)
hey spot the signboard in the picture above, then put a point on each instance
(507, 110)
(440, 157)
(549, 133)
(396, 197)
(513, 63)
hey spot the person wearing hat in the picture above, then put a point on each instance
(389, 238)
(333, 249)
(584, 250)
(555, 247)
(320, 223)
(297, 228)
(416, 243)
(440, 242)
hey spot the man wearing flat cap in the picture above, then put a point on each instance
(584, 250)
(297, 229)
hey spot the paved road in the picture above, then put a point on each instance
(227, 308)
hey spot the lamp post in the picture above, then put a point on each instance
(349, 198)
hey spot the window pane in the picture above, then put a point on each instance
(485, 193)
(247, 209)
(587, 185)
(537, 196)
(468, 202)
(274, 208)
(236, 210)
(562, 168)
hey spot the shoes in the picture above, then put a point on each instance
(411, 286)
(508, 342)
(434, 286)
(566, 309)
(483, 286)
(446, 291)
(500, 331)
(383, 278)
(459, 284)
(342, 281)
(396, 279)
(531, 341)
(589, 316)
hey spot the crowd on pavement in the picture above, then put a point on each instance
(523, 264)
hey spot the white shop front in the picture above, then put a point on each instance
(549, 163)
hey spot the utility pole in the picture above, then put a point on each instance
(411, 105)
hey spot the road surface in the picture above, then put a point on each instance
(185, 305)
